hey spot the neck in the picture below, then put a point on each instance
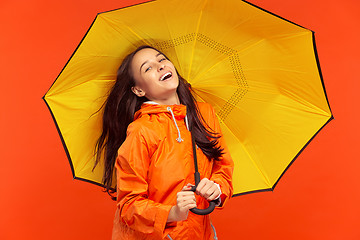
(169, 101)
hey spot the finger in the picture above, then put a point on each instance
(208, 189)
(201, 184)
(186, 188)
(186, 198)
(187, 208)
(186, 205)
(192, 187)
(212, 194)
(187, 202)
(191, 206)
(185, 193)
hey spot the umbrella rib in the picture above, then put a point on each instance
(76, 85)
(294, 97)
(130, 30)
(308, 104)
(199, 76)
(210, 93)
(179, 67)
(138, 36)
(323, 113)
(281, 36)
(195, 40)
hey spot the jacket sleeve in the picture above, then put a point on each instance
(136, 210)
(222, 170)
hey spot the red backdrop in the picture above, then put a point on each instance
(317, 198)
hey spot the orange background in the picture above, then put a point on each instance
(317, 198)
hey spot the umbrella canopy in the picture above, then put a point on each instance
(259, 71)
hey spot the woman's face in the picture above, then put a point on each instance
(155, 77)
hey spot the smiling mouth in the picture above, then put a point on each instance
(166, 76)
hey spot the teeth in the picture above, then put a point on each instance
(165, 76)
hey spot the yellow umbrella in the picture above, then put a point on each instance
(259, 71)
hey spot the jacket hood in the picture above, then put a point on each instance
(174, 112)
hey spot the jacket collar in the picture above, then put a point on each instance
(175, 112)
(148, 108)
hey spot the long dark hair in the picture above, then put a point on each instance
(119, 110)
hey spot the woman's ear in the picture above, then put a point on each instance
(138, 91)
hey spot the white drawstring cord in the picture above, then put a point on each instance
(179, 139)
(215, 235)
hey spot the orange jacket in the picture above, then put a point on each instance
(152, 166)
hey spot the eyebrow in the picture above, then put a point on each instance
(147, 61)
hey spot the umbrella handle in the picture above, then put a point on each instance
(197, 180)
(203, 211)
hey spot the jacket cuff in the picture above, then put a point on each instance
(218, 198)
(223, 197)
(161, 226)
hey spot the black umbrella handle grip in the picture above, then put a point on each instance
(203, 211)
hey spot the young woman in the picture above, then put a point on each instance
(146, 137)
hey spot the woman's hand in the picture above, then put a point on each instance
(207, 189)
(185, 201)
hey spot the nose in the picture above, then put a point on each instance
(160, 67)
